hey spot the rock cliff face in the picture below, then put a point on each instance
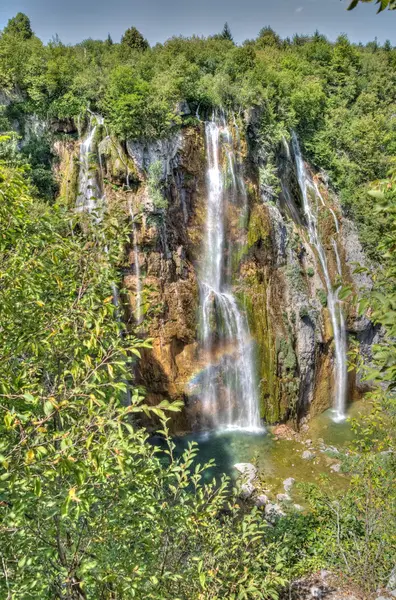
(277, 276)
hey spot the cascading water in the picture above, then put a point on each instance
(229, 392)
(333, 303)
(89, 192)
(138, 309)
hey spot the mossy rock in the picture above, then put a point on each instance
(119, 166)
(70, 177)
(259, 228)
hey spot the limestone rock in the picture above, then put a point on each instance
(248, 473)
(273, 512)
(247, 490)
(146, 153)
(336, 468)
(283, 498)
(261, 500)
(288, 484)
(307, 455)
(247, 470)
(392, 581)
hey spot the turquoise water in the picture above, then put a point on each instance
(276, 459)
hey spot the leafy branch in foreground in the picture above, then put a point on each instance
(88, 508)
(382, 4)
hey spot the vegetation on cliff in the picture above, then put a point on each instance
(340, 97)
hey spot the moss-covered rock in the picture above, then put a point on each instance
(259, 227)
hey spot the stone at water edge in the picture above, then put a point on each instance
(307, 455)
(248, 470)
(249, 473)
(288, 484)
(273, 512)
(283, 498)
(335, 468)
(247, 490)
(261, 500)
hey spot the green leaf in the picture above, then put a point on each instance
(37, 487)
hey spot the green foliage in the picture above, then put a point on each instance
(19, 26)
(268, 37)
(133, 111)
(133, 39)
(154, 185)
(226, 33)
(41, 159)
(322, 297)
(383, 4)
(90, 509)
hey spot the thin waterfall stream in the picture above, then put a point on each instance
(138, 309)
(333, 302)
(229, 393)
(89, 192)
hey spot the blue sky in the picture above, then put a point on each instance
(75, 20)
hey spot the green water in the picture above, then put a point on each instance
(279, 459)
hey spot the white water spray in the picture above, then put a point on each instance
(229, 392)
(89, 191)
(138, 309)
(333, 302)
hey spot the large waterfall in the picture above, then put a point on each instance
(308, 188)
(229, 393)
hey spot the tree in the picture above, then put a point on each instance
(383, 4)
(226, 33)
(20, 26)
(132, 38)
(268, 37)
(88, 508)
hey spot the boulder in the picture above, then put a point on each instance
(248, 473)
(288, 484)
(248, 470)
(392, 582)
(273, 512)
(247, 490)
(261, 500)
(336, 468)
(307, 455)
(283, 498)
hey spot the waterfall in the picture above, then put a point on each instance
(228, 390)
(333, 303)
(89, 191)
(138, 310)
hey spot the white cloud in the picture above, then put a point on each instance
(299, 9)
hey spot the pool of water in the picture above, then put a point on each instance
(277, 459)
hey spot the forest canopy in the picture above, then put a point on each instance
(339, 96)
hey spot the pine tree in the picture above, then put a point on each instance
(134, 39)
(226, 33)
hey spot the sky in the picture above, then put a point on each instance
(158, 20)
